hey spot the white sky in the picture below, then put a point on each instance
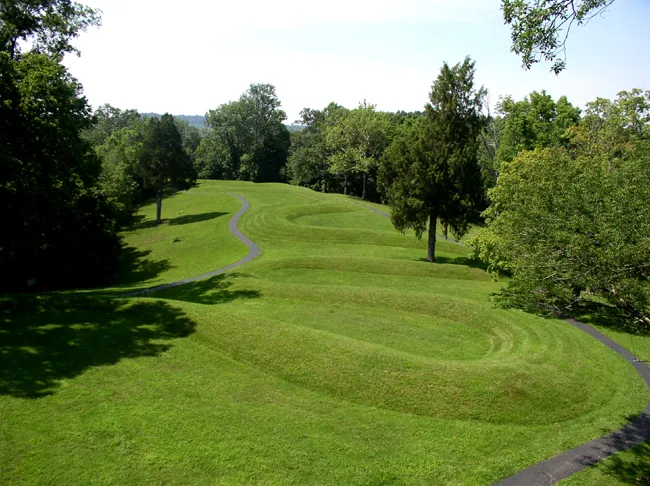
(188, 57)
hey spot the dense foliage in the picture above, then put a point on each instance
(49, 25)
(540, 28)
(57, 229)
(163, 161)
(571, 226)
(248, 139)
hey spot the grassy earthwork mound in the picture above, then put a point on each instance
(336, 357)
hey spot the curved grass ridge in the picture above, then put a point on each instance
(575, 460)
(558, 467)
(335, 357)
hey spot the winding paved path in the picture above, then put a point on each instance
(575, 460)
(543, 473)
(562, 466)
(254, 251)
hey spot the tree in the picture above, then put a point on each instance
(251, 130)
(307, 162)
(569, 225)
(119, 180)
(613, 128)
(356, 142)
(430, 172)
(212, 159)
(191, 137)
(163, 161)
(108, 120)
(535, 122)
(49, 24)
(540, 28)
(57, 227)
(571, 231)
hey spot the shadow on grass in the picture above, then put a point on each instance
(214, 290)
(468, 262)
(141, 223)
(607, 316)
(632, 468)
(135, 267)
(48, 338)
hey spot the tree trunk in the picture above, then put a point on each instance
(159, 197)
(345, 185)
(431, 255)
(363, 193)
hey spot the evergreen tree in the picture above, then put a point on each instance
(164, 163)
(430, 171)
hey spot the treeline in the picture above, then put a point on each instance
(70, 179)
(562, 195)
(569, 217)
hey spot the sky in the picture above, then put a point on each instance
(189, 57)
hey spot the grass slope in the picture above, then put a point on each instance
(336, 357)
(192, 240)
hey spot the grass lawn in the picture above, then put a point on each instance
(336, 357)
(193, 239)
(630, 467)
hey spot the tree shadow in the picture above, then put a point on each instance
(631, 468)
(140, 222)
(194, 218)
(607, 316)
(467, 262)
(211, 291)
(48, 338)
(135, 267)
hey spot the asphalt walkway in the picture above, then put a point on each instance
(253, 249)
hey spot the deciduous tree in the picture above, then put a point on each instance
(50, 25)
(253, 133)
(356, 142)
(540, 28)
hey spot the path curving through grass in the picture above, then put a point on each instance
(579, 458)
(337, 356)
(253, 252)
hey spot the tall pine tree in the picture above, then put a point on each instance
(163, 162)
(430, 172)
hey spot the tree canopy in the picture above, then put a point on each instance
(249, 140)
(163, 162)
(540, 28)
(356, 141)
(57, 228)
(569, 224)
(50, 25)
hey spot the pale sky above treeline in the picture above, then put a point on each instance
(188, 57)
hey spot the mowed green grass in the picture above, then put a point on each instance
(336, 357)
(193, 239)
(624, 468)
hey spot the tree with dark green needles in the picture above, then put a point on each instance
(430, 172)
(164, 162)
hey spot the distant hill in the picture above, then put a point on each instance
(197, 121)
(295, 128)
